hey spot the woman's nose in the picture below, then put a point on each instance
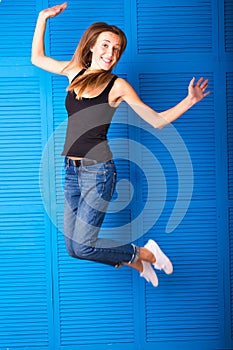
(110, 51)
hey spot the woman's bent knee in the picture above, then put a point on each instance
(76, 250)
(82, 251)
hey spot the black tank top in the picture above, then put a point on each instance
(88, 123)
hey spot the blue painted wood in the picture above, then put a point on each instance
(26, 312)
(50, 301)
(229, 85)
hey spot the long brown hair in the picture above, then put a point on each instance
(83, 56)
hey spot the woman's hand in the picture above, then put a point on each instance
(53, 11)
(38, 56)
(196, 92)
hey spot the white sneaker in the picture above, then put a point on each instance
(149, 274)
(162, 261)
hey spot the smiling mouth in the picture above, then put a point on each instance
(106, 61)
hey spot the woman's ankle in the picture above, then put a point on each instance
(137, 265)
(146, 255)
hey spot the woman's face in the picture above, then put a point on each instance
(106, 50)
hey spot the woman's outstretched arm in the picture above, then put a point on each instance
(38, 57)
(196, 92)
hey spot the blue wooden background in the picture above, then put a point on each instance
(50, 301)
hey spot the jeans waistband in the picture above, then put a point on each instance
(80, 162)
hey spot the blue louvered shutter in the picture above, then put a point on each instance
(228, 26)
(228, 46)
(25, 276)
(174, 27)
(230, 228)
(229, 81)
(188, 241)
(75, 303)
(17, 25)
(186, 305)
(50, 301)
(157, 90)
(87, 308)
(229, 85)
(25, 311)
(79, 306)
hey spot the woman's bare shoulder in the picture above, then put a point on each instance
(122, 86)
(119, 84)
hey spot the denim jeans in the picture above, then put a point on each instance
(88, 190)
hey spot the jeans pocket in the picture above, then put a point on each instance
(108, 185)
(98, 180)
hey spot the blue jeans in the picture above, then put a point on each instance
(88, 190)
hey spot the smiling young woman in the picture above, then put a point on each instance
(92, 97)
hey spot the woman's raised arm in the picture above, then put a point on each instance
(38, 57)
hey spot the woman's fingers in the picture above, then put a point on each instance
(206, 93)
(63, 6)
(191, 84)
(55, 10)
(60, 8)
(204, 84)
(199, 81)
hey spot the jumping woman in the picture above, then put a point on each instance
(94, 93)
